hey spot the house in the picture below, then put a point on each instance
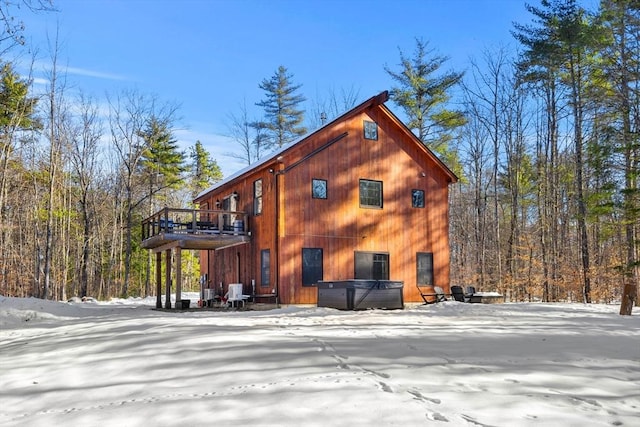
(359, 198)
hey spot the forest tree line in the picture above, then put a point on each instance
(544, 139)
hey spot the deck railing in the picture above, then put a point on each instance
(195, 221)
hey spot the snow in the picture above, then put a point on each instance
(122, 363)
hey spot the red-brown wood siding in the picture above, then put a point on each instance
(338, 224)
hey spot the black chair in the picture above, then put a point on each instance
(458, 294)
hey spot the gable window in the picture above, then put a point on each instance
(424, 266)
(371, 266)
(370, 193)
(319, 188)
(370, 130)
(257, 197)
(311, 266)
(417, 198)
(265, 267)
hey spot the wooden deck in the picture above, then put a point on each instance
(194, 229)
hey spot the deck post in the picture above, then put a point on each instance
(159, 280)
(167, 302)
(178, 276)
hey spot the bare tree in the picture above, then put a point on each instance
(55, 110)
(249, 134)
(84, 154)
(326, 108)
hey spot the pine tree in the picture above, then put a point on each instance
(162, 163)
(283, 116)
(423, 94)
(16, 114)
(204, 170)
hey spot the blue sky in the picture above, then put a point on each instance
(209, 55)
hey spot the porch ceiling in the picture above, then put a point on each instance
(164, 241)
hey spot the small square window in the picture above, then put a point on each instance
(417, 198)
(370, 130)
(319, 188)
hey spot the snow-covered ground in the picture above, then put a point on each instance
(451, 364)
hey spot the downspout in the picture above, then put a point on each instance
(278, 172)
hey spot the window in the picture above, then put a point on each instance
(370, 130)
(370, 193)
(265, 267)
(257, 197)
(311, 266)
(417, 198)
(371, 266)
(319, 188)
(424, 264)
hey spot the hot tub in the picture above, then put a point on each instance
(355, 294)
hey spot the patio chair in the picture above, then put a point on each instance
(458, 294)
(434, 297)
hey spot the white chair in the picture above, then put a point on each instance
(235, 294)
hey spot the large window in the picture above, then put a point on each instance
(265, 267)
(257, 197)
(370, 193)
(371, 266)
(311, 266)
(424, 264)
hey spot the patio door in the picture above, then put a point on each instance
(229, 203)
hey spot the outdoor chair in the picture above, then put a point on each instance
(458, 294)
(434, 297)
(463, 296)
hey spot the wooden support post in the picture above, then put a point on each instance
(158, 280)
(178, 276)
(167, 302)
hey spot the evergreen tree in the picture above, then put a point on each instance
(204, 170)
(423, 95)
(162, 166)
(162, 163)
(283, 116)
(16, 114)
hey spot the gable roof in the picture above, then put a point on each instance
(374, 101)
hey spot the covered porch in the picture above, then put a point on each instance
(171, 230)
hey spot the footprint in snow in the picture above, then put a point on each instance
(435, 416)
(385, 387)
(420, 396)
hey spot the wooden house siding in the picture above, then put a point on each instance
(292, 219)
